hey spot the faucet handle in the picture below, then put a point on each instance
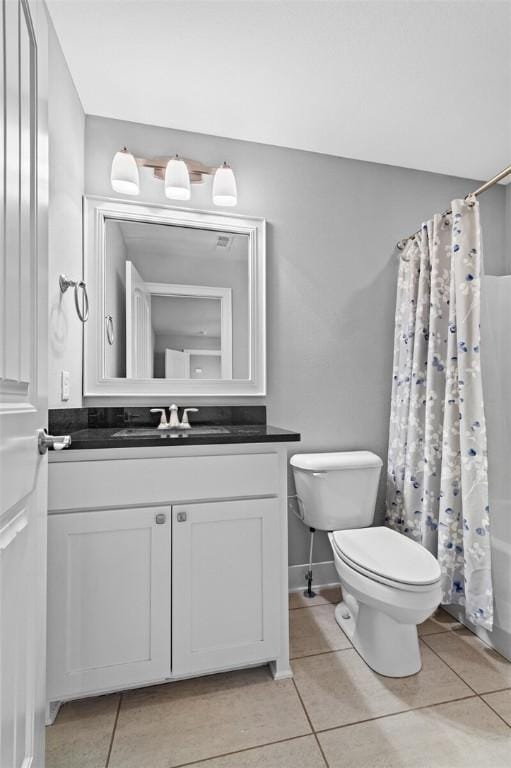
(185, 424)
(163, 418)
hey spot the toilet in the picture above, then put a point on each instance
(389, 582)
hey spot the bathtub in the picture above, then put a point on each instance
(496, 371)
(500, 637)
(501, 569)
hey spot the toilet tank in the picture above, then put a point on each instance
(336, 491)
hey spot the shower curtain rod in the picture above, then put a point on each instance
(487, 185)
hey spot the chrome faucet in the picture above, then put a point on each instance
(174, 422)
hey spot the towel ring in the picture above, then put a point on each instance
(110, 334)
(82, 309)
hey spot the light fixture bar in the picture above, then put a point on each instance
(196, 169)
(177, 173)
(195, 176)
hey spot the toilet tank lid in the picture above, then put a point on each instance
(322, 462)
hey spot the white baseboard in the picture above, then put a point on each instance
(323, 574)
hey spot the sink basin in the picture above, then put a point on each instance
(153, 432)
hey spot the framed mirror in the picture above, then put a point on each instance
(177, 302)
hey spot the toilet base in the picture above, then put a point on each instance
(388, 647)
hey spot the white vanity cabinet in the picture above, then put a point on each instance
(165, 563)
(225, 566)
(109, 599)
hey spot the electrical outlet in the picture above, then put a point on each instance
(65, 385)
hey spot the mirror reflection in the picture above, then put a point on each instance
(176, 302)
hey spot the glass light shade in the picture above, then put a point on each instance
(124, 175)
(224, 186)
(177, 180)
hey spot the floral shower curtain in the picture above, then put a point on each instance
(437, 484)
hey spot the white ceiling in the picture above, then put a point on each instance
(186, 242)
(418, 83)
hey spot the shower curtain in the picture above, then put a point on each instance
(437, 483)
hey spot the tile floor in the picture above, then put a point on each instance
(336, 712)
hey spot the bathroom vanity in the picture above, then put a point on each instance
(167, 557)
(167, 548)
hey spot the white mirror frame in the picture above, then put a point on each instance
(97, 211)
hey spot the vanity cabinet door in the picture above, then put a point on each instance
(108, 600)
(226, 577)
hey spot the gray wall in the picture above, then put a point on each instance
(332, 228)
(66, 126)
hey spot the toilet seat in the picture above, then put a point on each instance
(387, 557)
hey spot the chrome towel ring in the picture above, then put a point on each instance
(82, 308)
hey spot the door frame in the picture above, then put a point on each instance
(224, 295)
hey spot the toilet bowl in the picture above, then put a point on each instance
(389, 582)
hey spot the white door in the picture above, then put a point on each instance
(177, 364)
(23, 380)
(225, 577)
(108, 600)
(139, 332)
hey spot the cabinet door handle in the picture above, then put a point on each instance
(181, 517)
(160, 518)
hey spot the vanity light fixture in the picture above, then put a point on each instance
(224, 186)
(177, 179)
(124, 174)
(177, 173)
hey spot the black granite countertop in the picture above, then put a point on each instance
(135, 427)
(99, 437)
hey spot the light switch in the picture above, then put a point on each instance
(65, 385)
